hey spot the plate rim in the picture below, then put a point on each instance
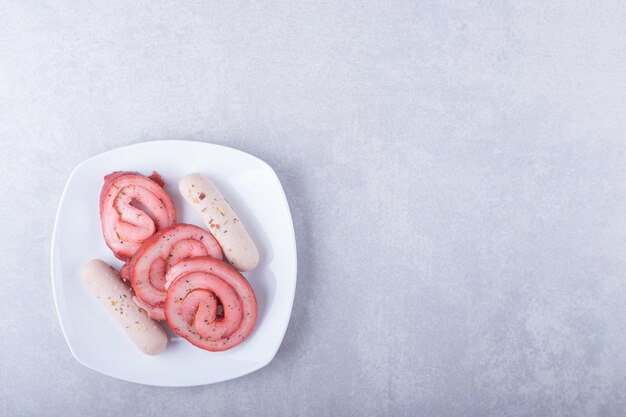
(53, 250)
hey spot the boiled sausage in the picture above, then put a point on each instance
(221, 220)
(115, 296)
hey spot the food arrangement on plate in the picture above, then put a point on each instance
(177, 273)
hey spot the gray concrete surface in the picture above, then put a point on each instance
(456, 172)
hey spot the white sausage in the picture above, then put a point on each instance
(221, 220)
(116, 297)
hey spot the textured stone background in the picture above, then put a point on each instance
(456, 172)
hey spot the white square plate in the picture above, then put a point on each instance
(257, 195)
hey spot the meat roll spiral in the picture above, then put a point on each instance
(209, 303)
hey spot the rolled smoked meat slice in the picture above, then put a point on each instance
(158, 254)
(132, 208)
(197, 289)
